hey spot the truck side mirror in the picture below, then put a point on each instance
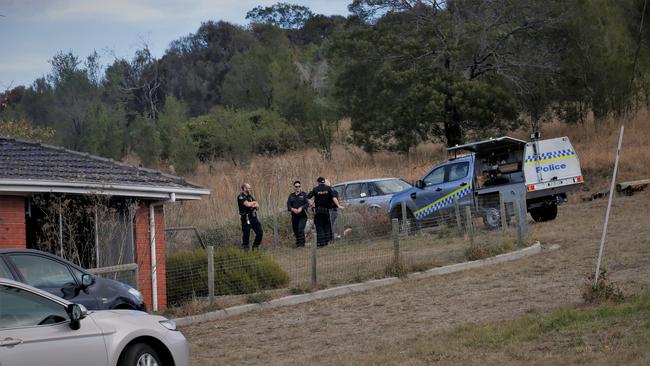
(419, 184)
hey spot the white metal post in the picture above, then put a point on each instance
(609, 205)
(154, 274)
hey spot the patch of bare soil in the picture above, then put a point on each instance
(349, 329)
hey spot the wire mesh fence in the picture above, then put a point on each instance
(364, 244)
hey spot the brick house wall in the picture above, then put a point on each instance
(12, 222)
(143, 254)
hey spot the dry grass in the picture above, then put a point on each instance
(608, 334)
(381, 326)
(271, 177)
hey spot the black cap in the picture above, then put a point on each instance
(321, 180)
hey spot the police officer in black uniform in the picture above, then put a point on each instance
(248, 214)
(297, 203)
(324, 201)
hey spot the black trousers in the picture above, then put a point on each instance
(249, 222)
(323, 228)
(298, 223)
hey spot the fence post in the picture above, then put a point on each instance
(459, 221)
(396, 239)
(520, 222)
(314, 268)
(502, 209)
(470, 227)
(211, 273)
(404, 218)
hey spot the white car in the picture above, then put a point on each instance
(37, 328)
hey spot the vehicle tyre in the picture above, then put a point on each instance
(544, 213)
(139, 354)
(492, 218)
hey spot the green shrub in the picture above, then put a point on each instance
(605, 290)
(235, 272)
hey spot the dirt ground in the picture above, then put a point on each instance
(350, 329)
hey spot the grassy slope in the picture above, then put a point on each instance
(605, 334)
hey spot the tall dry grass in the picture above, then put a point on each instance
(271, 177)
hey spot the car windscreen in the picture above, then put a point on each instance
(4, 270)
(392, 185)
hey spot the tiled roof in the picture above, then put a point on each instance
(22, 160)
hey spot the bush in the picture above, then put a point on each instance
(235, 272)
(604, 290)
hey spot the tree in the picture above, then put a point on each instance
(194, 67)
(410, 65)
(282, 15)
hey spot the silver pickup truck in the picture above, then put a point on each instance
(542, 172)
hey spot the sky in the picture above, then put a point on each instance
(32, 31)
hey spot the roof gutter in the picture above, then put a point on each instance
(141, 191)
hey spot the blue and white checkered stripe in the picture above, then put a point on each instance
(443, 202)
(551, 155)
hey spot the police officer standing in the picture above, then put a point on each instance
(248, 214)
(324, 201)
(297, 203)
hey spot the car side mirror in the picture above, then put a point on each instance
(419, 184)
(86, 280)
(76, 312)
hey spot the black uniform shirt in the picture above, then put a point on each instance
(297, 201)
(241, 198)
(323, 195)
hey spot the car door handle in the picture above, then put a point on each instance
(9, 342)
(413, 195)
(362, 201)
(463, 184)
(438, 189)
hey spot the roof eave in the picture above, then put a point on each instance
(139, 191)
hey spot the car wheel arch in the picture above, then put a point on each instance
(163, 352)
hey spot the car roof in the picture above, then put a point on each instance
(366, 181)
(24, 286)
(40, 252)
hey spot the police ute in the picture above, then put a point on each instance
(484, 173)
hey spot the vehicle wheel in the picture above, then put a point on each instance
(139, 354)
(492, 218)
(544, 213)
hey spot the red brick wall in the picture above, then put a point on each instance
(143, 254)
(12, 222)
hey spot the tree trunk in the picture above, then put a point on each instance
(453, 130)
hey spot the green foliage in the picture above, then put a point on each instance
(105, 132)
(281, 15)
(236, 272)
(145, 140)
(226, 133)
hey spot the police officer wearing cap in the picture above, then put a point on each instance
(324, 201)
(297, 204)
(248, 214)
